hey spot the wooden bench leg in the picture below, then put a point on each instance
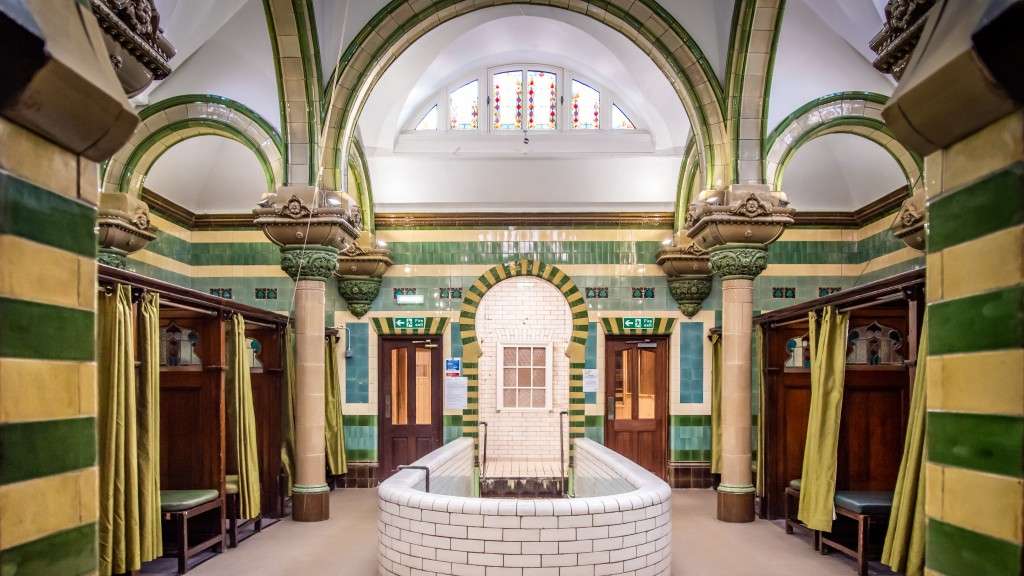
(182, 520)
(789, 525)
(863, 535)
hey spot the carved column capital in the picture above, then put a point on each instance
(312, 262)
(738, 261)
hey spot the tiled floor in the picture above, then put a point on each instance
(346, 545)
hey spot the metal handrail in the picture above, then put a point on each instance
(426, 471)
(483, 459)
(561, 452)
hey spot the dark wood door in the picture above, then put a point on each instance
(636, 409)
(409, 401)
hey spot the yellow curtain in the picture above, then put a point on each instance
(759, 383)
(332, 390)
(242, 421)
(119, 481)
(828, 372)
(904, 541)
(716, 403)
(148, 414)
(288, 409)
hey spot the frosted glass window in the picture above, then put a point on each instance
(524, 377)
(541, 100)
(429, 120)
(586, 107)
(619, 119)
(507, 100)
(464, 107)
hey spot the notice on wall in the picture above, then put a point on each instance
(453, 367)
(455, 392)
(590, 380)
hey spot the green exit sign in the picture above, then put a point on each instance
(638, 323)
(419, 322)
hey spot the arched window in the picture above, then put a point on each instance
(429, 120)
(516, 97)
(464, 107)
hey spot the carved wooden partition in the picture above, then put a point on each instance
(267, 387)
(192, 409)
(876, 400)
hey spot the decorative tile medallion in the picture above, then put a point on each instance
(266, 293)
(596, 292)
(826, 290)
(396, 292)
(446, 293)
(221, 293)
(644, 292)
(783, 292)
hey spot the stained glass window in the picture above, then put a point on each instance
(541, 100)
(507, 100)
(524, 376)
(619, 119)
(586, 107)
(464, 107)
(429, 120)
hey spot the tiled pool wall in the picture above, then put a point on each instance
(608, 265)
(619, 523)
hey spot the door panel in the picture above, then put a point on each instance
(410, 401)
(636, 411)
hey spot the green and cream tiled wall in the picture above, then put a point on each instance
(48, 475)
(975, 432)
(619, 264)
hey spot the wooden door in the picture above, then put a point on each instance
(409, 401)
(636, 409)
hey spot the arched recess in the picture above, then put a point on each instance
(173, 120)
(858, 113)
(471, 350)
(644, 22)
(359, 176)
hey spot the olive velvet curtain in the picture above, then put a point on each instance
(827, 337)
(148, 416)
(288, 410)
(242, 420)
(335, 433)
(716, 403)
(118, 524)
(904, 541)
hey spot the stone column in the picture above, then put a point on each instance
(310, 266)
(311, 232)
(738, 266)
(735, 225)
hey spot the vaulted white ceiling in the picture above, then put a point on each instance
(224, 49)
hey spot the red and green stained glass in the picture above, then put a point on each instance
(508, 100)
(586, 107)
(464, 107)
(541, 100)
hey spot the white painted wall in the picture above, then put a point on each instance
(209, 174)
(523, 310)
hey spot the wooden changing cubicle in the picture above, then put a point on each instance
(885, 321)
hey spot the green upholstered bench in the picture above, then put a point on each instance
(180, 506)
(864, 508)
(233, 505)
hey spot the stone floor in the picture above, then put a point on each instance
(346, 545)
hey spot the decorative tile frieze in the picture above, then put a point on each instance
(266, 293)
(221, 293)
(783, 292)
(596, 292)
(826, 290)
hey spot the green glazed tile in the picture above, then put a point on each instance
(988, 321)
(989, 205)
(34, 330)
(35, 449)
(68, 552)
(982, 442)
(954, 550)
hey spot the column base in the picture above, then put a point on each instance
(311, 506)
(734, 507)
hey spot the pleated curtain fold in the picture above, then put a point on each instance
(242, 420)
(905, 540)
(118, 524)
(716, 403)
(148, 421)
(334, 430)
(288, 410)
(827, 338)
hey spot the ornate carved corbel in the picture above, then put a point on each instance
(124, 228)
